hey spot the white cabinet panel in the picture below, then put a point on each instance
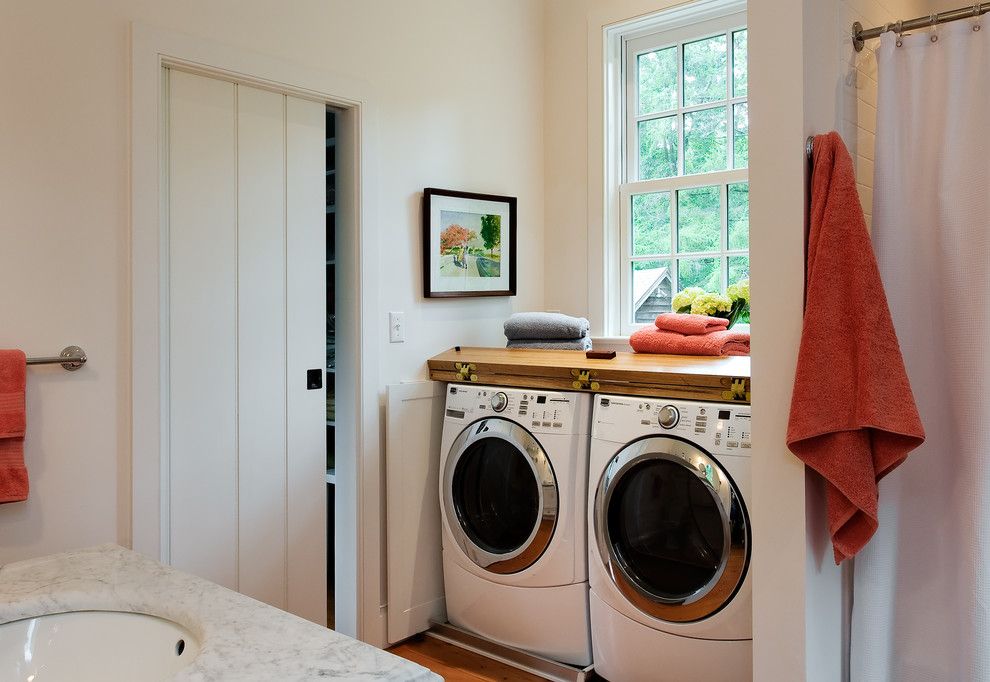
(202, 370)
(306, 521)
(414, 424)
(261, 332)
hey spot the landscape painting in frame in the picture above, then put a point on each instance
(469, 244)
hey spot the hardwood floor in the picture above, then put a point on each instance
(455, 664)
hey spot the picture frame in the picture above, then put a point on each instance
(469, 244)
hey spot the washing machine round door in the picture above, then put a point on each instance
(671, 529)
(499, 496)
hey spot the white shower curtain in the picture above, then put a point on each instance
(921, 597)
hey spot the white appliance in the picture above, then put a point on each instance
(513, 477)
(670, 540)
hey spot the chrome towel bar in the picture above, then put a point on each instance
(71, 358)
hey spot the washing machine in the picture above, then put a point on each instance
(669, 547)
(513, 496)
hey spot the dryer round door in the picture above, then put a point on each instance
(671, 529)
(500, 496)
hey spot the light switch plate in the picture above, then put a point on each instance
(396, 328)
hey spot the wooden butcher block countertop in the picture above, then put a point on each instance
(664, 376)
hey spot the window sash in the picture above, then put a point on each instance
(720, 179)
(676, 38)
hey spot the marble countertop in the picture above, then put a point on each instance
(241, 639)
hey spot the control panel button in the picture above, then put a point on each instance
(668, 416)
(499, 401)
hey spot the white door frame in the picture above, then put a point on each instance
(359, 599)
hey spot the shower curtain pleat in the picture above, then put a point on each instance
(921, 592)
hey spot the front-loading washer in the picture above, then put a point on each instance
(513, 478)
(670, 541)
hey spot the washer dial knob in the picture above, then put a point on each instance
(668, 417)
(499, 401)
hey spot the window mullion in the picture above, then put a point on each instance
(729, 113)
(631, 129)
(673, 242)
(723, 191)
(680, 109)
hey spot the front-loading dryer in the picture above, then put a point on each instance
(670, 540)
(513, 495)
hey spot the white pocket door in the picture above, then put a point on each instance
(246, 449)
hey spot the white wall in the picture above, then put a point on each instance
(460, 105)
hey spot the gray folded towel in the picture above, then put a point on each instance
(545, 326)
(584, 343)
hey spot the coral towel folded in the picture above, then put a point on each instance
(653, 340)
(13, 475)
(690, 325)
(853, 417)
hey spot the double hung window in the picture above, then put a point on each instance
(683, 198)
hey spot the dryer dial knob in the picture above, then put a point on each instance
(499, 401)
(669, 416)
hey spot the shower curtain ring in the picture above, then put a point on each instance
(899, 31)
(934, 25)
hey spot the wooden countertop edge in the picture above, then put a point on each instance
(737, 367)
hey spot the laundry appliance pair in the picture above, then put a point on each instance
(601, 528)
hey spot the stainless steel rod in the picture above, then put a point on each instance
(860, 35)
(71, 358)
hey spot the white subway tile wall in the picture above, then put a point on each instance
(859, 88)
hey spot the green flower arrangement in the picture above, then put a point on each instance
(733, 305)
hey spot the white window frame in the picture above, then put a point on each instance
(623, 45)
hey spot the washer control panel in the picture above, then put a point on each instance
(720, 428)
(538, 411)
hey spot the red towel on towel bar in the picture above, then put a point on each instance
(853, 417)
(653, 340)
(13, 475)
(689, 325)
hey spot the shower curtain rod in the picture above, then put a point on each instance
(861, 35)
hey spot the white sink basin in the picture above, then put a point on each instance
(84, 646)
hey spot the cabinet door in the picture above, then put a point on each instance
(414, 420)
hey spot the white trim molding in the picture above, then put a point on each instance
(359, 598)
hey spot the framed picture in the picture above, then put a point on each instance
(469, 244)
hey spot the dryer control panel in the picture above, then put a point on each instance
(719, 428)
(536, 410)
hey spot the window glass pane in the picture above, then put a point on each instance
(657, 80)
(699, 220)
(738, 268)
(652, 289)
(740, 135)
(705, 141)
(651, 224)
(658, 148)
(738, 217)
(704, 71)
(699, 272)
(739, 66)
